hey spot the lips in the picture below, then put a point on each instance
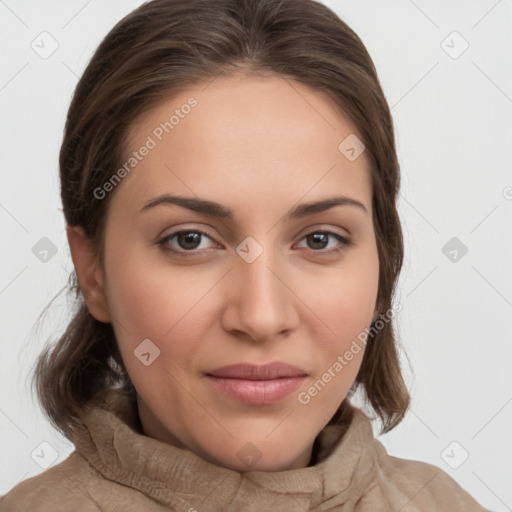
(254, 372)
(257, 385)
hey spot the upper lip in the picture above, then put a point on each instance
(257, 372)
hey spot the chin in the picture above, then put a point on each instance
(257, 456)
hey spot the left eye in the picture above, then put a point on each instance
(188, 242)
(320, 240)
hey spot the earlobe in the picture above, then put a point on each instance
(89, 273)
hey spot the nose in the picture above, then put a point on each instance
(259, 301)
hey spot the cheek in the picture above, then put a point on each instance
(148, 298)
(347, 308)
(347, 301)
(346, 305)
(155, 306)
(157, 302)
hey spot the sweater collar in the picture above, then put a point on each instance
(112, 442)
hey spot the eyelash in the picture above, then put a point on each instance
(345, 242)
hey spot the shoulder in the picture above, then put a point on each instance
(417, 486)
(64, 485)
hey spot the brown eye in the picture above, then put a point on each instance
(185, 241)
(319, 240)
(188, 240)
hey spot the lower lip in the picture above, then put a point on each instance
(257, 392)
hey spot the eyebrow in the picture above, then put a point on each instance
(218, 210)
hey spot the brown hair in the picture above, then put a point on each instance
(158, 50)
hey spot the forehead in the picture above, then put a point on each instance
(243, 136)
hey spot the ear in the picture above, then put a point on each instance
(89, 273)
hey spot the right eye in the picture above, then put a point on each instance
(186, 242)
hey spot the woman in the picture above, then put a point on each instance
(229, 181)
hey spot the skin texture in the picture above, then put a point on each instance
(260, 146)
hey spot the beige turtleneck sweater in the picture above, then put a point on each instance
(115, 468)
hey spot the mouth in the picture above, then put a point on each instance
(257, 385)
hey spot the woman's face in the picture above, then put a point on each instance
(241, 273)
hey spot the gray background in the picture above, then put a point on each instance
(453, 117)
